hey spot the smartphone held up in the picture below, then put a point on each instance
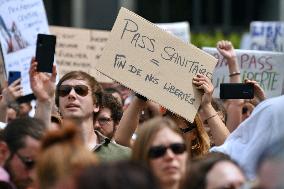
(236, 91)
(45, 50)
(13, 76)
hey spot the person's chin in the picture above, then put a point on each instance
(172, 178)
(172, 175)
(72, 115)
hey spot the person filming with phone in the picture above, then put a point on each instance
(9, 93)
(240, 98)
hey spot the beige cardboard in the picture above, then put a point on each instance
(138, 56)
(79, 49)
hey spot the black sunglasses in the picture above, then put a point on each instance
(64, 90)
(29, 163)
(159, 151)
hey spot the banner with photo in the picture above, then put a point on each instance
(20, 22)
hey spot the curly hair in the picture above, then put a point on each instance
(110, 102)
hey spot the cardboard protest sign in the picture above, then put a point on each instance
(20, 22)
(79, 49)
(265, 67)
(179, 29)
(155, 63)
(267, 36)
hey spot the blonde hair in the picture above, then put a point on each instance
(203, 145)
(63, 154)
(199, 146)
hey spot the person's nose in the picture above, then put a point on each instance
(72, 93)
(169, 154)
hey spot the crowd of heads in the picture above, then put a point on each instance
(82, 125)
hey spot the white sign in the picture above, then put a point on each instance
(178, 29)
(265, 67)
(267, 36)
(79, 49)
(20, 22)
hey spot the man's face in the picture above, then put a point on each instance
(104, 123)
(75, 104)
(21, 164)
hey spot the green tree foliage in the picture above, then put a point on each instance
(210, 39)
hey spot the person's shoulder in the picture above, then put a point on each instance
(111, 151)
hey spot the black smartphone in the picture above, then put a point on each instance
(13, 76)
(45, 50)
(236, 91)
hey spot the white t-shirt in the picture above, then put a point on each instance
(261, 128)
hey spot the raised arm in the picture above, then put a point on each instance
(227, 50)
(9, 95)
(43, 87)
(129, 121)
(209, 115)
(234, 107)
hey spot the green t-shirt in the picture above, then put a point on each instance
(108, 150)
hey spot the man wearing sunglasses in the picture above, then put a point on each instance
(78, 96)
(22, 137)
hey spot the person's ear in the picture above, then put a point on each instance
(96, 108)
(4, 152)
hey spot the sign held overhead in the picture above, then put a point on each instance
(155, 63)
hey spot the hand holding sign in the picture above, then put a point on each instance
(203, 83)
(155, 64)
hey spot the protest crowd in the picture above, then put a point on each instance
(85, 134)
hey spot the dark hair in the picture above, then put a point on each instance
(80, 75)
(18, 129)
(110, 102)
(111, 90)
(196, 177)
(118, 175)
